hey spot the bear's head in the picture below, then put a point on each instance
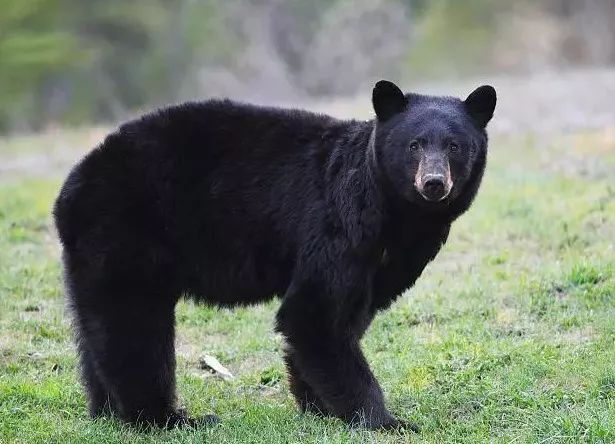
(431, 151)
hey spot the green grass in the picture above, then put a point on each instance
(509, 336)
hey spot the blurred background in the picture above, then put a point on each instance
(83, 62)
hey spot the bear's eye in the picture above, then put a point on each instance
(414, 146)
(453, 147)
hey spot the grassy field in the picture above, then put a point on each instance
(508, 337)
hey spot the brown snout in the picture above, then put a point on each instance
(433, 180)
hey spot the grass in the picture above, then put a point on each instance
(508, 337)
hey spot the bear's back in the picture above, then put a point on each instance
(217, 188)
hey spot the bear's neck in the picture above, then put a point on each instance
(351, 187)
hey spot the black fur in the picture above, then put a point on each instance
(232, 204)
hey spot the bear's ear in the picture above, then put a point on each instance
(480, 104)
(388, 100)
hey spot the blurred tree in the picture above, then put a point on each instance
(89, 60)
(452, 37)
(595, 44)
(357, 43)
(33, 48)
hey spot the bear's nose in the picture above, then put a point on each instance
(434, 188)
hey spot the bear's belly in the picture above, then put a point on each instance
(231, 277)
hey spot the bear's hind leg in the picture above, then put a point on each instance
(134, 355)
(100, 402)
(126, 342)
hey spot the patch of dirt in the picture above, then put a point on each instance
(576, 336)
(255, 362)
(191, 347)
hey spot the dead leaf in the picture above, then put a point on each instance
(212, 364)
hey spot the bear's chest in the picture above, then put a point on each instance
(401, 261)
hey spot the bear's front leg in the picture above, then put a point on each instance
(306, 399)
(324, 347)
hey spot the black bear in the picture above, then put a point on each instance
(229, 204)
